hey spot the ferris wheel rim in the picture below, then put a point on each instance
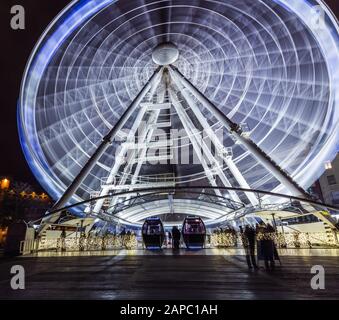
(29, 154)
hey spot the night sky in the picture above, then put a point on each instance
(15, 50)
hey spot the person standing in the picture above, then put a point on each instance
(123, 238)
(170, 241)
(268, 247)
(249, 239)
(63, 239)
(176, 237)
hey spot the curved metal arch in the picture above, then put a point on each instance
(182, 206)
(193, 209)
(135, 217)
(171, 190)
(228, 203)
(287, 207)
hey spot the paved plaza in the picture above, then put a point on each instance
(205, 274)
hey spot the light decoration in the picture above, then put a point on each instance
(44, 196)
(263, 64)
(224, 239)
(217, 240)
(90, 243)
(306, 240)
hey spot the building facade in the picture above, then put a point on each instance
(19, 202)
(329, 182)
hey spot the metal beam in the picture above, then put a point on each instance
(107, 140)
(129, 165)
(213, 137)
(236, 131)
(189, 128)
(175, 189)
(118, 163)
(145, 136)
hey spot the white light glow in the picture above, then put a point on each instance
(259, 62)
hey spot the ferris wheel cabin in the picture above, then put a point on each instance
(194, 232)
(153, 233)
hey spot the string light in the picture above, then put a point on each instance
(90, 243)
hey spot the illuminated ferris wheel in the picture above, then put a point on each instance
(110, 80)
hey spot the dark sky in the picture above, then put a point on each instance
(16, 48)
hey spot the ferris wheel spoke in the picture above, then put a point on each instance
(260, 63)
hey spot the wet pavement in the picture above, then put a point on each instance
(138, 274)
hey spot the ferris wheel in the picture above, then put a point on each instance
(257, 78)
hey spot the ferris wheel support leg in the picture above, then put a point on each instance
(211, 134)
(143, 152)
(199, 146)
(107, 140)
(117, 165)
(236, 131)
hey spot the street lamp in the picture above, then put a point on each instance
(5, 184)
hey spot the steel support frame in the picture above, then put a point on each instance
(129, 165)
(141, 153)
(212, 136)
(236, 131)
(107, 140)
(117, 164)
(189, 128)
(146, 136)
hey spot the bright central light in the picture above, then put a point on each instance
(165, 54)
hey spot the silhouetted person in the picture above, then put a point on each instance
(308, 240)
(268, 247)
(123, 237)
(170, 238)
(104, 241)
(63, 239)
(82, 241)
(249, 240)
(176, 237)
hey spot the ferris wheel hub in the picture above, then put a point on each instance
(165, 54)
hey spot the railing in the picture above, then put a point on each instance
(29, 246)
(95, 194)
(218, 239)
(82, 243)
(166, 177)
(291, 240)
(164, 154)
(287, 206)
